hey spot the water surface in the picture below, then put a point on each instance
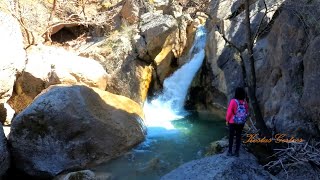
(166, 148)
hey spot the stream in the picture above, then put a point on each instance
(166, 149)
(174, 135)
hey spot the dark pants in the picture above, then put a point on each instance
(235, 129)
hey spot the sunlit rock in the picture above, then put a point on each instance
(47, 66)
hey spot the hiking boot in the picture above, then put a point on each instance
(229, 153)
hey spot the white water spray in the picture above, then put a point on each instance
(169, 105)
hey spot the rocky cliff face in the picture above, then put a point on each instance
(285, 55)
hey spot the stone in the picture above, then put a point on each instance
(174, 46)
(155, 28)
(47, 66)
(132, 80)
(4, 153)
(13, 55)
(310, 97)
(125, 63)
(130, 11)
(221, 167)
(217, 147)
(73, 127)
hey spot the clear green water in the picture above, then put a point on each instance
(166, 149)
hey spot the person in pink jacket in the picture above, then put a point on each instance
(236, 116)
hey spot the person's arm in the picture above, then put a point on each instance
(230, 110)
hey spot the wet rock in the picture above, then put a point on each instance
(73, 127)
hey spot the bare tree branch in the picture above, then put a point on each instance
(256, 34)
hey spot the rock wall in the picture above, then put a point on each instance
(285, 60)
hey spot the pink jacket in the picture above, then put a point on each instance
(232, 109)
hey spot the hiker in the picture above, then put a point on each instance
(236, 117)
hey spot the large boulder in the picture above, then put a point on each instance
(13, 59)
(47, 66)
(13, 55)
(155, 28)
(128, 75)
(73, 127)
(221, 167)
(166, 39)
(4, 153)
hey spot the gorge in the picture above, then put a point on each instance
(132, 89)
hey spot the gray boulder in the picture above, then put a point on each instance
(4, 153)
(221, 166)
(73, 127)
(155, 28)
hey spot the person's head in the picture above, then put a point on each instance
(240, 93)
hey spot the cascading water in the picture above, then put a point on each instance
(170, 143)
(169, 105)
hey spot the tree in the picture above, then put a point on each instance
(251, 76)
(248, 67)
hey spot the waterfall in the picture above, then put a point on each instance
(169, 105)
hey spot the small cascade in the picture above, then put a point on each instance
(169, 105)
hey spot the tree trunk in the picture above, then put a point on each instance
(251, 77)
